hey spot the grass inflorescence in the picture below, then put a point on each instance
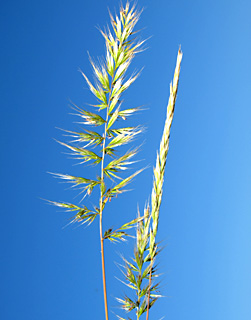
(99, 146)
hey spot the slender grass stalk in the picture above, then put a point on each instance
(159, 170)
(101, 226)
(101, 209)
(103, 268)
(141, 272)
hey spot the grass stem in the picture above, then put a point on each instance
(103, 269)
(100, 218)
(149, 291)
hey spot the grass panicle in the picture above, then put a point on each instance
(101, 149)
(99, 144)
(141, 273)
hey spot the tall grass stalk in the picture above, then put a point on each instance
(107, 137)
(159, 171)
(141, 271)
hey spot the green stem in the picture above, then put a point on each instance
(149, 291)
(101, 207)
(139, 289)
(103, 268)
(100, 223)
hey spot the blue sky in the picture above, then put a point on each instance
(52, 272)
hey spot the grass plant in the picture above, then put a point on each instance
(142, 270)
(100, 145)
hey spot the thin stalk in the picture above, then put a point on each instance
(101, 207)
(103, 267)
(100, 224)
(138, 299)
(149, 291)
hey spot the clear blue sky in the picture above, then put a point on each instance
(50, 272)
